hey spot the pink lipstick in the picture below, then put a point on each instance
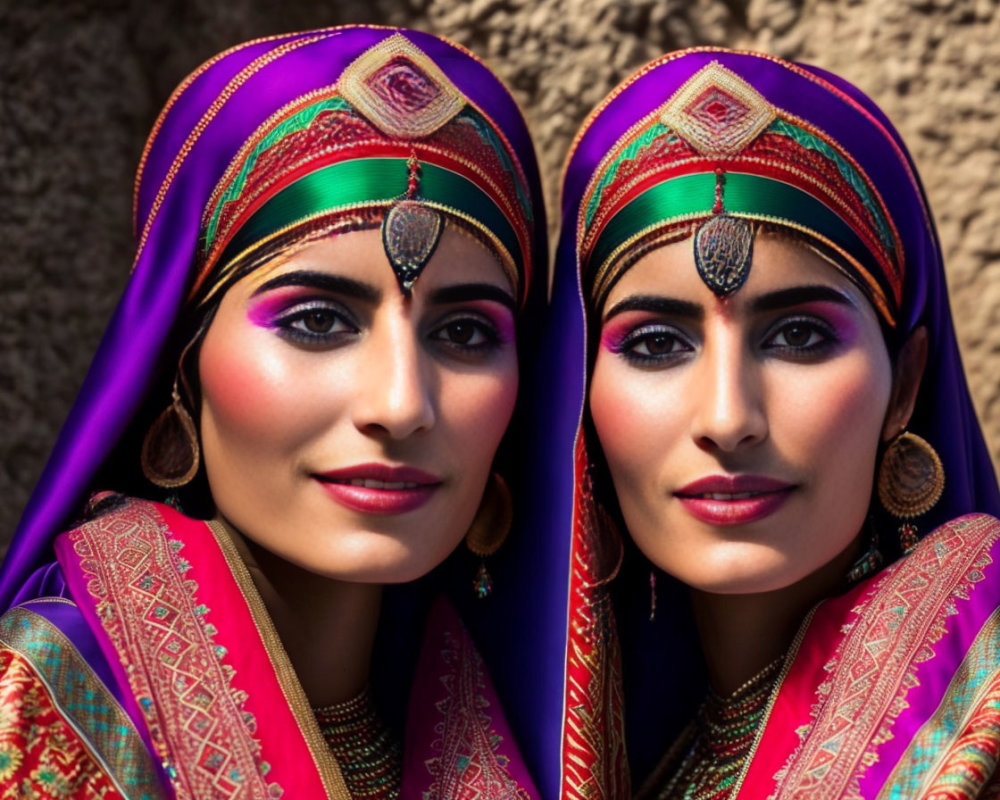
(379, 488)
(733, 499)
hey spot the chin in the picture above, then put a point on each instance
(740, 573)
(374, 559)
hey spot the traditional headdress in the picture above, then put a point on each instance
(713, 144)
(717, 156)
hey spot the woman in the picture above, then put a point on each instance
(776, 410)
(339, 232)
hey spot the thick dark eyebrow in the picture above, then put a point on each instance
(323, 281)
(464, 292)
(657, 305)
(800, 295)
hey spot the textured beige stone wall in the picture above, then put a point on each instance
(80, 84)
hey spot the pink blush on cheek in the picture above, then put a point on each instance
(241, 384)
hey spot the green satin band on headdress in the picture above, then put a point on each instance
(295, 124)
(692, 197)
(375, 182)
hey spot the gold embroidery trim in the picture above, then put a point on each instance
(230, 89)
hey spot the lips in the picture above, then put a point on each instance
(379, 488)
(734, 499)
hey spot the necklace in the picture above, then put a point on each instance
(723, 731)
(368, 755)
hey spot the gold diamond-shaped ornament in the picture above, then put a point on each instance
(717, 112)
(397, 88)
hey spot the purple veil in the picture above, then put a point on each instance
(205, 122)
(658, 657)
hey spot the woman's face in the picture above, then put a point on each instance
(741, 433)
(346, 428)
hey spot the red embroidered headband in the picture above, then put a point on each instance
(718, 156)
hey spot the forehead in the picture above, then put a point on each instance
(360, 255)
(778, 263)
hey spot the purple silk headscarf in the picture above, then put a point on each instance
(204, 124)
(657, 656)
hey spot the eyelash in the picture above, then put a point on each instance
(489, 332)
(627, 347)
(814, 326)
(285, 323)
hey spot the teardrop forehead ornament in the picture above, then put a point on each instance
(411, 231)
(410, 234)
(719, 114)
(723, 252)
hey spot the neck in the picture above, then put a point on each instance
(327, 626)
(742, 633)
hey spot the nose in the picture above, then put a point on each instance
(395, 393)
(729, 398)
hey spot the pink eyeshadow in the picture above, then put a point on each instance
(501, 317)
(264, 310)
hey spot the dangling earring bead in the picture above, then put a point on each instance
(652, 596)
(489, 529)
(170, 454)
(910, 482)
(869, 562)
(908, 537)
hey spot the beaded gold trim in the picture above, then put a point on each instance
(230, 89)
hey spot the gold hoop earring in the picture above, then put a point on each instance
(910, 482)
(489, 529)
(170, 453)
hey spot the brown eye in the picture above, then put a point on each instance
(797, 335)
(459, 332)
(801, 337)
(315, 325)
(466, 334)
(318, 321)
(660, 344)
(655, 344)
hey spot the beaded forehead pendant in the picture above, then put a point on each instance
(403, 93)
(410, 233)
(718, 114)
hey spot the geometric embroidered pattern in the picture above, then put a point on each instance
(400, 90)
(891, 632)
(467, 765)
(78, 696)
(180, 678)
(717, 112)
